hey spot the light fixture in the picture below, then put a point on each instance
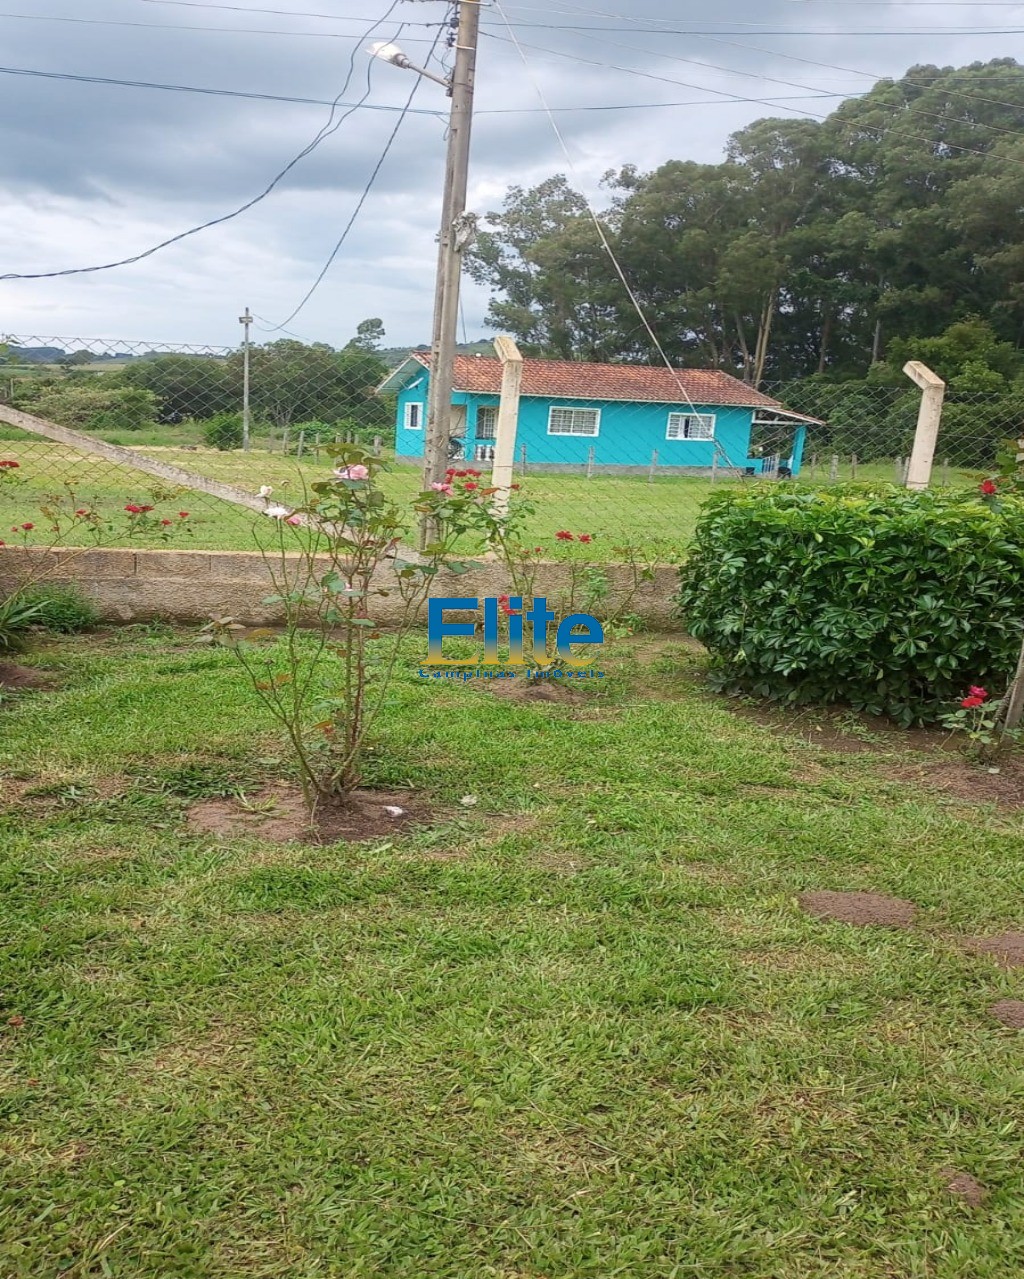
(388, 52)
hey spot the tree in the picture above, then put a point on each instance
(369, 336)
(187, 386)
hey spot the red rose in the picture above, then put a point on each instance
(972, 703)
(165, 522)
(975, 691)
(132, 509)
(183, 515)
(989, 488)
(28, 527)
(564, 536)
(82, 512)
(144, 509)
(8, 464)
(469, 487)
(585, 537)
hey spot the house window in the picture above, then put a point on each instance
(486, 422)
(690, 426)
(574, 421)
(414, 416)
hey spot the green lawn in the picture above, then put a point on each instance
(577, 1031)
(615, 510)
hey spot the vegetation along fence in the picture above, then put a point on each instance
(610, 453)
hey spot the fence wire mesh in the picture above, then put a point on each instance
(625, 473)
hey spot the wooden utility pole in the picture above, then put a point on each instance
(245, 321)
(455, 236)
(933, 392)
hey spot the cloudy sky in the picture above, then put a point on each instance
(93, 172)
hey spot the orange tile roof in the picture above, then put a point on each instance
(636, 383)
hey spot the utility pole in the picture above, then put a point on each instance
(245, 321)
(456, 234)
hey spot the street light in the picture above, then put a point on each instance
(388, 52)
(455, 237)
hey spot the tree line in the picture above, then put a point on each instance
(292, 384)
(814, 249)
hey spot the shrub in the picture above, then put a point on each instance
(223, 431)
(888, 600)
(60, 608)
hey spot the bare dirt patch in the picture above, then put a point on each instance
(19, 678)
(971, 783)
(278, 816)
(1010, 1012)
(964, 1186)
(522, 689)
(1007, 949)
(862, 909)
(843, 732)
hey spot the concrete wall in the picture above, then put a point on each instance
(192, 586)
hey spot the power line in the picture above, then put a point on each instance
(174, 26)
(329, 127)
(657, 25)
(373, 106)
(794, 84)
(805, 111)
(371, 180)
(602, 234)
(213, 92)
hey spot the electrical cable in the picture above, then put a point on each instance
(331, 126)
(802, 111)
(372, 106)
(602, 234)
(218, 93)
(794, 84)
(656, 27)
(362, 198)
(174, 26)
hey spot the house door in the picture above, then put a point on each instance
(458, 432)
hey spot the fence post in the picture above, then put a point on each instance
(898, 466)
(654, 467)
(853, 466)
(503, 461)
(376, 445)
(933, 391)
(302, 442)
(833, 469)
(522, 460)
(945, 472)
(714, 467)
(590, 462)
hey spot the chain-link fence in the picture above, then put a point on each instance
(622, 464)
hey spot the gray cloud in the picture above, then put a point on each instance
(93, 172)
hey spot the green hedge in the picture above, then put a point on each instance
(890, 601)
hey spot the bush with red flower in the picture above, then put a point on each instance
(978, 717)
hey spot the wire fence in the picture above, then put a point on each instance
(625, 471)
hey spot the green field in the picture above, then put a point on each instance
(616, 510)
(579, 1030)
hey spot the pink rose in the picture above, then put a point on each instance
(442, 488)
(357, 472)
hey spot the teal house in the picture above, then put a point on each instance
(616, 418)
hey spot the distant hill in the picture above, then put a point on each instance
(394, 355)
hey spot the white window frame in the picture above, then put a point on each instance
(574, 408)
(679, 420)
(407, 422)
(487, 408)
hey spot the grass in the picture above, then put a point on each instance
(617, 510)
(580, 1030)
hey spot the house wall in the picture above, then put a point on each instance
(628, 433)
